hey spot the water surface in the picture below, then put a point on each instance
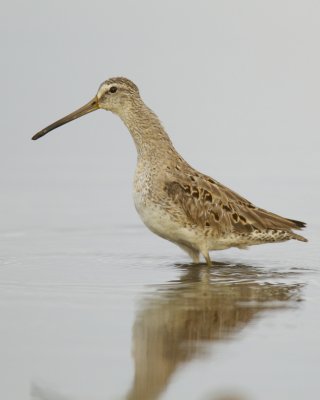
(116, 313)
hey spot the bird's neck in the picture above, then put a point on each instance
(149, 136)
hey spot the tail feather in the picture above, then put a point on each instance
(279, 228)
(299, 237)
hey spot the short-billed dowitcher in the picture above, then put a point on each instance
(174, 200)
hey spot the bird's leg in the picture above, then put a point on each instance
(194, 254)
(207, 258)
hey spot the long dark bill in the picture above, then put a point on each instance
(88, 108)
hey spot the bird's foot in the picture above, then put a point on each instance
(207, 258)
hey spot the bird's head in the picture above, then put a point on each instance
(116, 95)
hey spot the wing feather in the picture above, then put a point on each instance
(207, 203)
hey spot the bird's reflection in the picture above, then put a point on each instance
(176, 322)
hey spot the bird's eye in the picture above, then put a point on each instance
(113, 89)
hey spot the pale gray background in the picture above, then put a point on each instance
(236, 84)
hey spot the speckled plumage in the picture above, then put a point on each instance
(174, 200)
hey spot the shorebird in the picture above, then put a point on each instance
(174, 200)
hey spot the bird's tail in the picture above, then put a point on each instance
(299, 237)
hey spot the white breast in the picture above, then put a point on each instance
(155, 216)
(162, 224)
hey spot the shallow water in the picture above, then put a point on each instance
(136, 321)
